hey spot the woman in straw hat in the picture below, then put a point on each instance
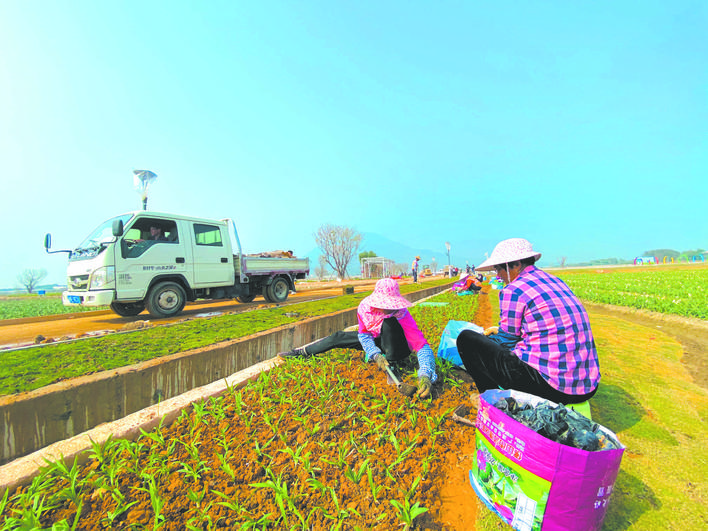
(386, 332)
(543, 344)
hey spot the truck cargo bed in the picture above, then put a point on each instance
(256, 265)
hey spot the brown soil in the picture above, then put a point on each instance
(445, 490)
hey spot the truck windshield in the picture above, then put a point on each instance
(99, 238)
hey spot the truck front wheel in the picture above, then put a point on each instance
(166, 299)
(279, 290)
(127, 309)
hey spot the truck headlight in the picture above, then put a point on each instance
(103, 277)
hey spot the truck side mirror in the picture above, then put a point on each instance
(118, 228)
(47, 241)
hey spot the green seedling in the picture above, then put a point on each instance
(229, 502)
(285, 503)
(373, 486)
(226, 466)
(156, 501)
(406, 512)
(120, 508)
(355, 476)
(71, 492)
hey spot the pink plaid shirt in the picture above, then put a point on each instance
(554, 328)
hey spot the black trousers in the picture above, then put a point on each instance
(392, 341)
(493, 366)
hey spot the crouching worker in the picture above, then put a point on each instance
(467, 283)
(387, 333)
(543, 344)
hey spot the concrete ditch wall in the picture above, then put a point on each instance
(33, 420)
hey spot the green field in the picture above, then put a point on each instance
(20, 306)
(677, 290)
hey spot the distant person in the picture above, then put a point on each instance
(156, 234)
(414, 269)
(543, 344)
(467, 283)
(387, 333)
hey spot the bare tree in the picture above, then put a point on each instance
(29, 278)
(339, 245)
(322, 269)
(401, 269)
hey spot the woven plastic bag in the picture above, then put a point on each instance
(448, 341)
(533, 483)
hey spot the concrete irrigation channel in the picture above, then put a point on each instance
(59, 421)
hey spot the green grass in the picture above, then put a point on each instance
(32, 368)
(19, 306)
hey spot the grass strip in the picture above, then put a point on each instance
(31, 368)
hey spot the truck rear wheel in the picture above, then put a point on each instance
(127, 309)
(246, 298)
(279, 290)
(266, 294)
(166, 299)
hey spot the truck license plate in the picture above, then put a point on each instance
(74, 299)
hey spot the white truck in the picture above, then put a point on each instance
(124, 265)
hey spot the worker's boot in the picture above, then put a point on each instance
(294, 353)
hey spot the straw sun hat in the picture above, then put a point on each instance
(510, 250)
(387, 296)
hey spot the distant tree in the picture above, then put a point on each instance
(661, 253)
(687, 256)
(339, 244)
(322, 269)
(605, 261)
(367, 254)
(29, 278)
(563, 260)
(400, 269)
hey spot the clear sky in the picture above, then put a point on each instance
(581, 126)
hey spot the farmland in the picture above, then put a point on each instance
(673, 290)
(646, 396)
(336, 449)
(19, 306)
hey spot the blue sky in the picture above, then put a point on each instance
(581, 126)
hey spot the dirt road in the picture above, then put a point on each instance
(23, 332)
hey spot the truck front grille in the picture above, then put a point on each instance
(78, 283)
